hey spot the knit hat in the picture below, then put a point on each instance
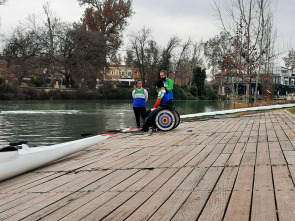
(160, 83)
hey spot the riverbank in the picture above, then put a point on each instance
(8, 92)
(238, 167)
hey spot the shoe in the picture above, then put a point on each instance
(144, 129)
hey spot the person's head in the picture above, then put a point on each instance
(159, 84)
(163, 75)
(139, 84)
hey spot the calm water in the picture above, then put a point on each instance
(51, 122)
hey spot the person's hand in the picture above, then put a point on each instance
(153, 109)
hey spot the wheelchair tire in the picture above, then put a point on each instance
(177, 118)
(165, 120)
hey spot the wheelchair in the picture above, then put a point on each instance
(167, 118)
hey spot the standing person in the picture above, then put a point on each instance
(168, 84)
(140, 96)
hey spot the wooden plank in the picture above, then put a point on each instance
(85, 205)
(43, 203)
(235, 159)
(149, 207)
(25, 179)
(183, 161)
(251, 147)
(86, 178)
(272, 136)
(239, 148)
(292, 171)
(26, 205)
(286, 145)
(215, 207)
(201, 156)
(229, 148)
(248, 159)
(240, 201)
(170, 207)
(276, 154)
(285, 194)
(182, 152)
(19, 199)
(106, 182)
(6, 198)
(263, 202)
(164, 158)
(192, 207)
(192, 180)
(290, 156)
(221, 160)
(130, 201)
(211, 158)
(262, 154)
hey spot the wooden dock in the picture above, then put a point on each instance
(231, 168)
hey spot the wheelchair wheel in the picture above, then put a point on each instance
(165, 120)
(177, 118)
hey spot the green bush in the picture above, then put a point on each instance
(178, 93)
(211, 93)
(194, 90)
(184, 87)
(109, 93)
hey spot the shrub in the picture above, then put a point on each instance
(194, 90)
(178, 93)
(211, 93)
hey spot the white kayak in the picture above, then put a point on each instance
(236, 111)
(13, 163)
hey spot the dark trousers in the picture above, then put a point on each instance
(138, 111)
(149, 117)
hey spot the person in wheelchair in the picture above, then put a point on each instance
(160, 104)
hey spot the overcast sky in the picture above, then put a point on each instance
(184, 18)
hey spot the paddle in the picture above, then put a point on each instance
(14, 143)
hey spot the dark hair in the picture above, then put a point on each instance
(137, 81)
(160, 83)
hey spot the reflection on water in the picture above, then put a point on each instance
(51, 122)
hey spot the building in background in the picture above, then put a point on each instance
(122, 75)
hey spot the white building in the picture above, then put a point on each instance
(282, 74)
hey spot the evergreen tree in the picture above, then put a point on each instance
(199, 77)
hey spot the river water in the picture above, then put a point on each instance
(51, 122)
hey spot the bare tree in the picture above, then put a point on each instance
(152, 62)
(21, 51)
(167, 53)
(215, 50)
(181, 63)
(250, 16)
(139, 44)
(107, 17)
(88, 56)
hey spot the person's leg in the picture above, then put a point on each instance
(145, 116)
(142, 111)
(137, 116)
(149, 121)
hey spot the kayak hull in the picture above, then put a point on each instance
(13, 163)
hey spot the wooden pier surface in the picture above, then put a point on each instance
(231, 168)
